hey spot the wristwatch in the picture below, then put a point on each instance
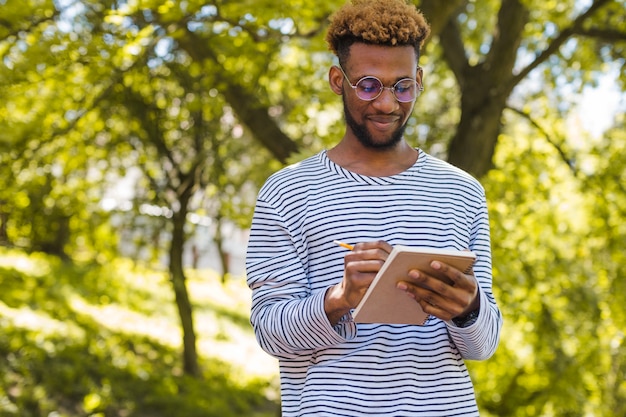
(467, 320)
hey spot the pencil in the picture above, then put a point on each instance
(344, 245)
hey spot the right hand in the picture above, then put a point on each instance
(360, 267)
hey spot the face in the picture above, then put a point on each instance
(380, 123)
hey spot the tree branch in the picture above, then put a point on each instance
(512, 17)
(564, 35)
(438, 13)
(14, 31)
(251, 112)
(454, 51)
(608, 35)
(571, 162)
(254, 31)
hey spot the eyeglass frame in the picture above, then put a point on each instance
(418, 92)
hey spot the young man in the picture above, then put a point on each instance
(374, 190)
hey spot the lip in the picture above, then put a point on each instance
(383, 122)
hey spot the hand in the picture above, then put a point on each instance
(449, 294)
(360, 267)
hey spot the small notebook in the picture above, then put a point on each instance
(384, 303)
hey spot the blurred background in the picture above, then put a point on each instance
(134, 135)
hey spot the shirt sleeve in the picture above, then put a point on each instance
(480, 340)
(287, 316)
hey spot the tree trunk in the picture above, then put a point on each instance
(54, 239)
(485, 87)
(4, 218)
(177, 276)
(474, 143)
(219, 243)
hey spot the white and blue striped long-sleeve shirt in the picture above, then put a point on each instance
(365, 369)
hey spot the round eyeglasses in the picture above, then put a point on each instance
(370, 88)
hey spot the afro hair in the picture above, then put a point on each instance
(377, 22)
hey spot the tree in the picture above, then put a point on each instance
(49, 170)
(483, 54)
(174, 127)
(209, 98)
(139, 105)
(557, 275)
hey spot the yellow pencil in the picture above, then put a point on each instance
(344, 245)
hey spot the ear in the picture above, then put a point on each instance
(419, 76)
(335, 79)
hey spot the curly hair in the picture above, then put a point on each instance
(377, 22)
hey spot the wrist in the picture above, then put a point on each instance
(470, 316)
(467, 319)
(335, 305)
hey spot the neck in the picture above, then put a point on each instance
(373, 162)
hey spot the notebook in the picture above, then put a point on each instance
(384, 303)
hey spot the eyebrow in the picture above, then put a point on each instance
(393, 83)
(357, 78)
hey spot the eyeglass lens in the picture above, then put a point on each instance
(368, 88)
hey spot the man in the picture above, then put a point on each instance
(373, 190)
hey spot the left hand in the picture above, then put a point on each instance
(444, 300)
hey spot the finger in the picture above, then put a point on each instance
(455, 277)
(436, 284)
(364, 252)
(435, 292)
(356, 266)
(379, 245)
(437, 311)
(462, 291)
(421, 295)
(432, 303)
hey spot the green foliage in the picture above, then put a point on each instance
(558, 262)
(58, 356)
(92, 90)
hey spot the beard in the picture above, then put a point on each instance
(364, 136)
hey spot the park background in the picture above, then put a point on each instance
(134, 135)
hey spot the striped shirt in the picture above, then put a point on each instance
(355, 369)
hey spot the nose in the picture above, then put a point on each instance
(386, 102)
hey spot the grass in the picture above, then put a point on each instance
(100, 341)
